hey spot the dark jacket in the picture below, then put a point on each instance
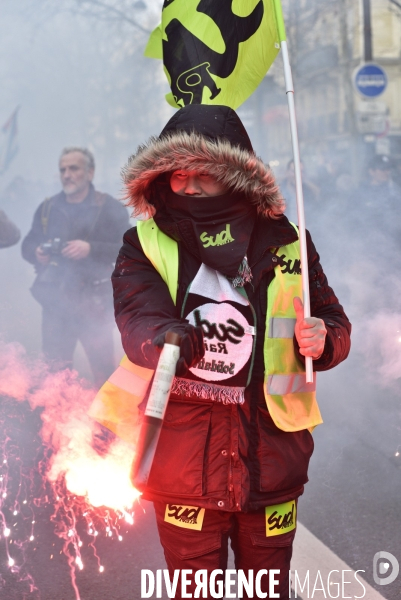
(99, 220)
(229, 457)
(210, 453)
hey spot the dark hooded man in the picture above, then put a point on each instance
(236, 440)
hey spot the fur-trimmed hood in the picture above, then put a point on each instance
(225, 155)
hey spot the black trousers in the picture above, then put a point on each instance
(61, 332)
(208, 548)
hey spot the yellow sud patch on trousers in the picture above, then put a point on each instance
(281, 518)
(188, 517)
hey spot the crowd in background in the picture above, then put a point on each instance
(333, 190)
(365, 213)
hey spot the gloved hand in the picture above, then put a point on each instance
(191, 348)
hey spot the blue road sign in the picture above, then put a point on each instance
(370, 80)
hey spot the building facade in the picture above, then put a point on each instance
(337, 125)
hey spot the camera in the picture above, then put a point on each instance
(53, 247)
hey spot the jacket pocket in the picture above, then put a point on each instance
(178, 465)
(283, 456)
(189, 545)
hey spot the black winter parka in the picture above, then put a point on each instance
(100, 220)
(229, 457)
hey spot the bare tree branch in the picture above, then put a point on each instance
(396, 3)
(116, 12)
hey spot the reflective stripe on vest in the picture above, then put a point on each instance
(290, 400)
(130, 377)
(280, 327)
(116, 403)
(289, 384)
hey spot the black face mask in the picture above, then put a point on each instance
(215, 229)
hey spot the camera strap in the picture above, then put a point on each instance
(100, 200)
(44, 217)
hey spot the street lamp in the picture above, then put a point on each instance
(367, 31)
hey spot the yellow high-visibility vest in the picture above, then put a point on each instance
(290, 400)
(116, 405)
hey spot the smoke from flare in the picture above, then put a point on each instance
(67, 430)
(380, 341)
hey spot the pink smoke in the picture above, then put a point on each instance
(379, 339)
(67, 429)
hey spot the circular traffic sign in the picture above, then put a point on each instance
(370, 80)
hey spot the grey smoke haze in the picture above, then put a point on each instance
(67, 429)
(80, 78)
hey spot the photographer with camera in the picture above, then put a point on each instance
(73, 243)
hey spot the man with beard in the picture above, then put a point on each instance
(73, 243)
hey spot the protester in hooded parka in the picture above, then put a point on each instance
(233, 455)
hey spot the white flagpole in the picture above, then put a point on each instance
(289, 88)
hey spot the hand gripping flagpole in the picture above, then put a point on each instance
(289, 88)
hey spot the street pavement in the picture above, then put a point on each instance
(349, 512)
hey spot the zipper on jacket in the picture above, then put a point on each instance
(230, 481)
(243, 293)
(231, 487)
(185, 300)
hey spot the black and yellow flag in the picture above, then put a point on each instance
(216, 51)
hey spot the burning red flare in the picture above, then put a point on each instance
(87, 490)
